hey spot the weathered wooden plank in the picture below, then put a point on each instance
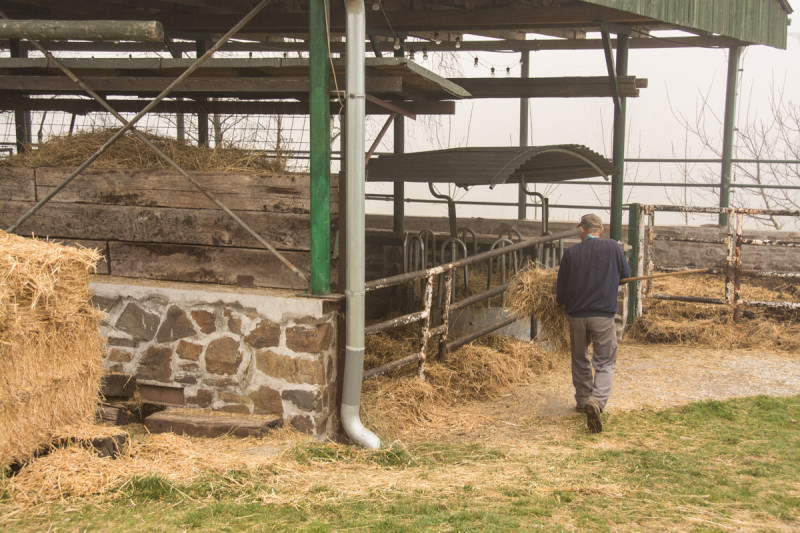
(161, 394)
(17, 184)
(205, 264)
(565, 87)
(207, 424)
(240, 191)
(224, 107)
(212, 227)
(145, 85)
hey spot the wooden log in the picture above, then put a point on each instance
(84, 30)
(118, 385)
(240, 191)
(117, 415)
(206, 264)
(210, 424)
(210, 227)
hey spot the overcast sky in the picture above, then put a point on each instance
(680, 80)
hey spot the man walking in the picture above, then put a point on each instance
(588, 283)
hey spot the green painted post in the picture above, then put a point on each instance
(618, 157)
(633, 261)
(320, 146)
(728, 129)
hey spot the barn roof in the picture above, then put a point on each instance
(467, 167)
(749, 21)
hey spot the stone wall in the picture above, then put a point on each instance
(251, 351)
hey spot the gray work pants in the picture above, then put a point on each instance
(601, 333)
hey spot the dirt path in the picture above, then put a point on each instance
(646, 376)
(664, 376)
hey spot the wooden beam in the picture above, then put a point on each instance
(566, 87)
(82, 107)
(225, 107)
(194, 86)
(86, 30)
(713, 41)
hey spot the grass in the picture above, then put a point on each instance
(707, 466)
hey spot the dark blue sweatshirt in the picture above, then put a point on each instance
(588, 278)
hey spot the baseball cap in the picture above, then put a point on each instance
(591, 221)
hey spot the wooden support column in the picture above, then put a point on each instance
(399, 211)
(202, 118)
(22, 119)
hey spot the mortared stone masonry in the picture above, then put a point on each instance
(247, 351)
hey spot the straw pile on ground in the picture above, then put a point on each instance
(479, 371)
(530, 294)
(50, 344)
(695, 324)
(129, 152)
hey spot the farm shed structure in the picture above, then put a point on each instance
(165, 34)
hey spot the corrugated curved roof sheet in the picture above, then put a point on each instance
(468, 167)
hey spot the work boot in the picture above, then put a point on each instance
(592, 411)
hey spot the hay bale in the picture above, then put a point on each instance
(129, 152)
(50, 344)
(530, 295)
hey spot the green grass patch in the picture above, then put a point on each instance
(708, 466)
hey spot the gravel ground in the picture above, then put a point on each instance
(661, 376)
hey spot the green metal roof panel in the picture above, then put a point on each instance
(752, 21)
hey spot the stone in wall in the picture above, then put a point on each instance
(123, 342)
(103, 304)
(234, 403)
(221, 382)
(137, 322)
(202, 398)
(156, 364)
(267, 400)
(205, 320)
(189, 350)
(303, 423)
(303, 399)
(223, 356)
(309, 339)
(120, 356)
(176, 326)
(264, 335)
(293, 370)
(234, 323)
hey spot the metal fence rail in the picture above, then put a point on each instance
(643, 223)
(425, 315)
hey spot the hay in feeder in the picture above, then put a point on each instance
(697, 324)
(50, 344)
(129, 152)
(479, 371)
(530, 294)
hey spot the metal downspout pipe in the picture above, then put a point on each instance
(354, 227)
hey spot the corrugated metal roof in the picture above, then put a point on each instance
(752, 21)
(467, 167)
